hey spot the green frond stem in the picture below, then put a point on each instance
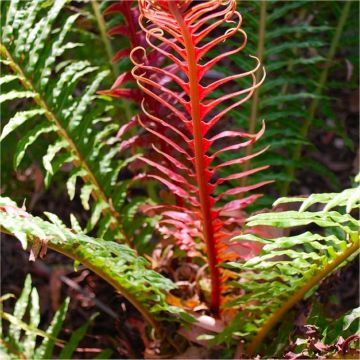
(104, 37)
(98, 266)
(98, 193)
(296, 297)
(319, 90)
(255, 100)
(107, 44)
(105, 274)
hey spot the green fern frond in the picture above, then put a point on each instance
(38, 74)
(21, 339)
(294, 58)
(319, 90)
(289, 266)
(117, 264)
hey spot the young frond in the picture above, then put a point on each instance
(187, 119)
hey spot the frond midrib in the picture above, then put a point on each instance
(77, 252)
(98, 193)
(299, 294)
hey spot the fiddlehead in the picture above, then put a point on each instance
(192, 123)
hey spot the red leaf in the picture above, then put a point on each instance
(176, 189)
(121, 54)
(118, 7)
(241, 189)
(171, 174)
(239, 204)
(124, 128)
(119, 30)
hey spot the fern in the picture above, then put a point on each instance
(115, 263)
(184, 35)
(125, 87)
(284, 95)
(102, 29)
(290, 266)
(319, 90)
(43, 83)
(186, 88)
(330, 339)
(20, 341)
(295, 58)
(128, 30)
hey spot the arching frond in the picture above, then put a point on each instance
(115, 263)
(44, 83)
(289, 266)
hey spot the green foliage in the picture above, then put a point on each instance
(70, 347)
(300, 73)
(330, 330)
(288, 267)
(326, 337)
(20, 341)
(47, 92)
(117, 264)
(51, 113)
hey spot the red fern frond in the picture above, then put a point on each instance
(125, 86)
(131, 30)
(192, 123)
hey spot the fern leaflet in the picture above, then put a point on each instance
(289, 266)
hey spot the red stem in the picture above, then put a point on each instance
(200, 167)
